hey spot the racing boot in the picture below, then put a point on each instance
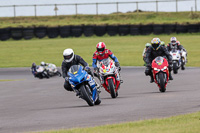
(77, 93)
(98, 87)
(170, 76)
(152, 79)
(182, 67)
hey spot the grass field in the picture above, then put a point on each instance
(131, 18)
(178, 124)
(128, 49)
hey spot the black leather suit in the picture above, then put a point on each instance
(176, 46)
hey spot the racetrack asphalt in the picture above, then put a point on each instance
(30, 104)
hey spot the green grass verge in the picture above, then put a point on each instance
(3, 80)
(188, 123)
(131, 18)
(128, 49)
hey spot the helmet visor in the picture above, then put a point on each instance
(155, 45)
(67, 57)
(100, 49)
(173, 42)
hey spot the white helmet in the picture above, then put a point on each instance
(173, 40)
(42, 63)
(68, 55)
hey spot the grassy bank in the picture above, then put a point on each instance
(131, 18)
(128, 49)
(179, 124)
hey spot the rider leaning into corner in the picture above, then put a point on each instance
(152, 52)
(71, 59)
(33, 69)
(103, 53)
(175, 44)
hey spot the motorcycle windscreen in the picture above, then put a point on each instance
(106, 62)
(75, 69)
(159, 60)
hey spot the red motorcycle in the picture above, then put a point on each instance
(109, 72)
(160, 72)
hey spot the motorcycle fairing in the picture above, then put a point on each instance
(78, 76)
(160, 64)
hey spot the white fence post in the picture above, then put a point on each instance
(14, 11)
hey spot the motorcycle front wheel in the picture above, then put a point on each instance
(59, 74)
(111, 87)
(161, 82)
(175, 68)
(87, 94)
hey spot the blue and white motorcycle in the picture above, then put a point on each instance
(84, 84)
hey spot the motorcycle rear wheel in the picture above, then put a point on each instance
(87, 95)
(111, 87)
(161, 82)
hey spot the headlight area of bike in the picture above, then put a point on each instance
(73, 80)
(104, 71)
(164, 68)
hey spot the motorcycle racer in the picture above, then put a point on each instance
(103, 53)
(152, 52)
(175, 44)
(162, 43)
(147, 45)
(71, 59)
(33, 69)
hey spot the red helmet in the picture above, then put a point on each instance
(101, 46)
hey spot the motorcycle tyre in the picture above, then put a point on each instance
(86, 96)
(183, 63)
(162, 82)
(39, 76)
(98, 101)
(58, 73)
(47, 76)
(112, 88)
(175, 68)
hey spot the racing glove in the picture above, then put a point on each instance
(95, 69)
(87, 68)
(67, 79)
(118, 66)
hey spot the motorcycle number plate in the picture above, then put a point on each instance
(104, 70)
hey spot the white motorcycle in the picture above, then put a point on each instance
(41, 72)
(176, 60)
(52, 70)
